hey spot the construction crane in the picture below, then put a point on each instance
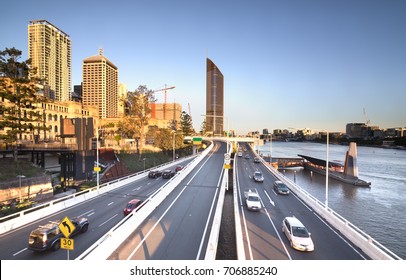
(190, 113)
(367, 121)
(164, 90)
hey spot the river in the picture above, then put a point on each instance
(379, 210)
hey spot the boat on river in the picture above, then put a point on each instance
(347, 172)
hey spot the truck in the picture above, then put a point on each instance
(252, 200)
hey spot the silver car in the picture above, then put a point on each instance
(297, 234)
(258, 177)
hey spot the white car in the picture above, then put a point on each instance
(252, 200)
(297, 234)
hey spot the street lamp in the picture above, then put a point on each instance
(327, 164)
(19, 181)
(97, 158)
(326, 204)
(144, 163)
(270, 151)
(173, 145)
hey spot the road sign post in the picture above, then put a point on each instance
(227, 161)
(66, 227)
(67, 243)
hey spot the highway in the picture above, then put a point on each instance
(179, 228)
(263, 238)
(103, 212)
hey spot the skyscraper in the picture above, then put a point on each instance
(50, 50)
(100, 85)
(214, 99)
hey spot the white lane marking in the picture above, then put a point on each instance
(88, 213)
(137, 189)
(166, 211)
(246, 227)
(19, 252)
(91, 214)
(243, 215)
(270, 200)
(154, 226)
(208, 218)
(150, 193)
(277, 233)
(110, 203)
(332, 229)
(108, 220)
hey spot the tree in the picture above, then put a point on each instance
(203, 128)
(18, 111)
(187, 126)
(163, 139)
(139, 110)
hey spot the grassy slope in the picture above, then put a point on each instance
(10, 169)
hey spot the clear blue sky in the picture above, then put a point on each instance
(314, 64)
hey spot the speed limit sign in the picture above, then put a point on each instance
(67, 243)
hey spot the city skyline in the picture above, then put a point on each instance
(312, 64)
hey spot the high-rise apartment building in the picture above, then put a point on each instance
(100, 85)
(214, 99)
(50, 50)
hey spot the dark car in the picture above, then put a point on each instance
(178, 168)
(48, 237)
(167, 174)
(154, 174)
(131, 205)
(280, 187)
(256, 160)
(247, 157)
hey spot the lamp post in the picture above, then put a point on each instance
(144, 163)
(19, 183)
(97, 158)
(173, 145)
(270, 151)
(327, 165)
(326, 204)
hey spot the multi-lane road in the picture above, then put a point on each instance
(103, 213)
(179, 228)
(262, 231)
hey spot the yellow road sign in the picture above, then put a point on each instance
(227, 166)
(67, 243)
(66, 227)
(97, 169)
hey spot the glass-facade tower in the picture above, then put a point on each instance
(50, 51)
(214, 100)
